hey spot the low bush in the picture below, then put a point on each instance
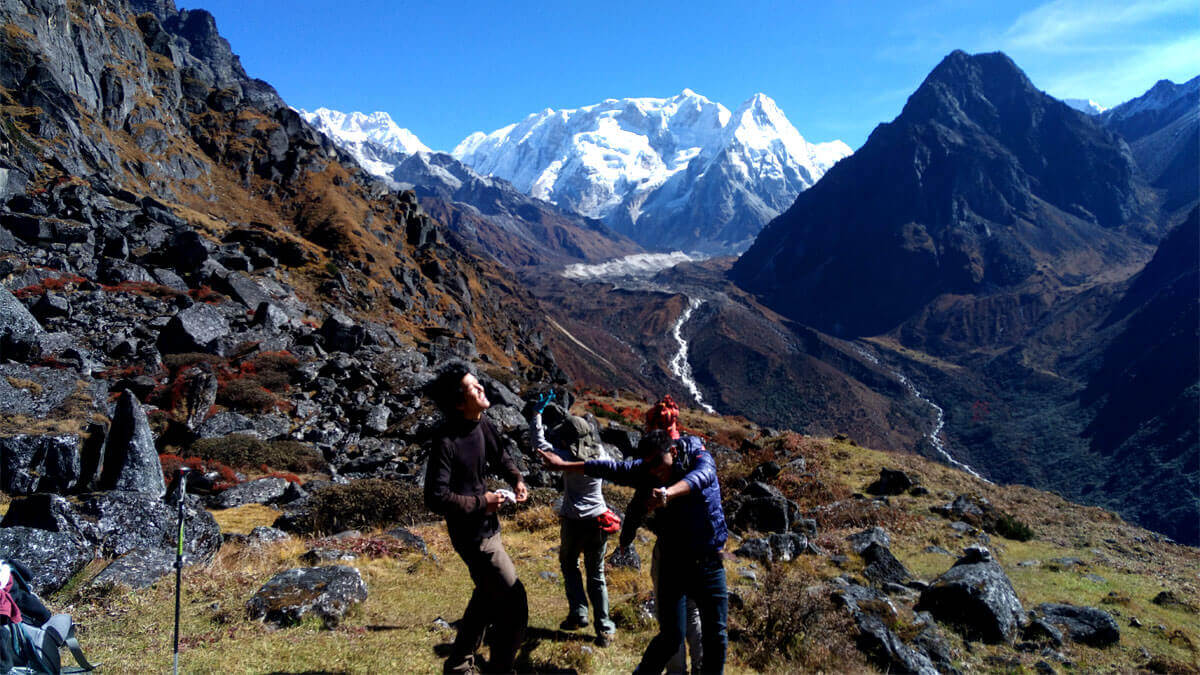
(366, 504)
(1009, 527)
(245, 394)
(792, 625)
(249, 452)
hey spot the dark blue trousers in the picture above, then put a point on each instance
(703, 580)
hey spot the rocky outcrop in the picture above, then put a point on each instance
(130, 458)
(54, 557)
(1085, 625)
(324, 592)
(977, 598)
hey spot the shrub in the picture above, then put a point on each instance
(245, 394)
(792, 624)
(1009, 527)
(366, 504)
(248, 452)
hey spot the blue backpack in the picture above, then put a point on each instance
(32, 644)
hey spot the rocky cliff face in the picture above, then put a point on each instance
(982, 183)
(170, 228)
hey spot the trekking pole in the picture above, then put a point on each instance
(183, 473)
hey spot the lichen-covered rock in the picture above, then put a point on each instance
(115, 523)
(195, 329)
(874, 535)
(324, 592)
(883, 567)
(1085, 625)
(18, 328)
(39, 463)
(261, 491)
(53, 557)
(977, 598)
(130, 457)
(137, 569)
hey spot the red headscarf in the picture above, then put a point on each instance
(664, 415)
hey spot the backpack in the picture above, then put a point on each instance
(32, 644)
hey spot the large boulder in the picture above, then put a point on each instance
(198, 328)
(883, 567)
(39, 463)
(977, 598)
(891, 482)
(130, 458)
(1085, 625)
(53, 557)
(115, 523)
(762, 508)
(137, 569)
(18, 329)
(324, 592)
(872, 611)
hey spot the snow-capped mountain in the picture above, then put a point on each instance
(374, 140)
(1085, 105)
(675, 173)
(489, 213)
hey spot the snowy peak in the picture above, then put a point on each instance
(647, 165)
(1085, 105)
(357, 127)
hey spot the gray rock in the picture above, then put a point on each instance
(137, 569)
(18, 328)
(324, 592)
(245, 290)
(765, 472)
(323, 554)
(341, 333)
(53, 557)
(267, 535)
(887, 650)
(977, 598)
(270, 316)
(130, 458)
(883, 567)
(115, 523)
(198, 328)
(891, 482)
(377, 419)
(506, 419)
(875, 535)
(41, 463)
(261, 491)
(1085, 625)
(409, 539)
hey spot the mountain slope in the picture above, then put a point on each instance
(982, 183)
(1162, 128)
(677, 173)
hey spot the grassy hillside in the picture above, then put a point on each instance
(782, 618)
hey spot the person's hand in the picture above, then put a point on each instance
(493, 501)
(551, 460)
(522, 491)
(659, 497)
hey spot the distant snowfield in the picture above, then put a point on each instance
(639, 265)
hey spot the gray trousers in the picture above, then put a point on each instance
(584, 536)
(498, 602)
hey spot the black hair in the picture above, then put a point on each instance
(445, 389)
(654, 444)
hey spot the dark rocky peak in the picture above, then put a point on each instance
(979, 181)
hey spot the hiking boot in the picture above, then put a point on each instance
(573, 623)
(605, 639)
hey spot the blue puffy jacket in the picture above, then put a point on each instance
(693, 523)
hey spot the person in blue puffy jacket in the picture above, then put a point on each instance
(687, 496)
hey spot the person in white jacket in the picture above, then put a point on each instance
(582, 522)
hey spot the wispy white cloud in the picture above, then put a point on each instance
(1111, 83)
(1066, 25)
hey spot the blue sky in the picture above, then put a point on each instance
(836, 68)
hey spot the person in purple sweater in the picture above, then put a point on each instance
(463, 451)
(692, 533)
